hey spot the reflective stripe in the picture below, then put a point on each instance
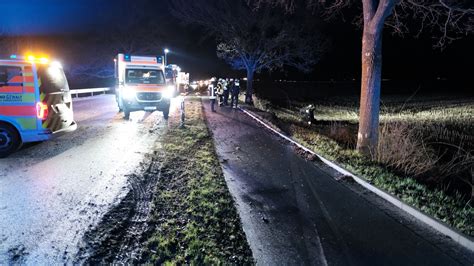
(30, 89)
(29, 98)
(29, 80)
(146, 89)
(18, 110)
(27, 123)
(149, 63)
(11, 89)
(16, 79)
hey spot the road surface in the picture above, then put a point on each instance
(52, 192)
(295, 212)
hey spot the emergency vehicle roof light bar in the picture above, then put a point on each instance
(42, 60)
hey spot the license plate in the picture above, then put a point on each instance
(150, 108)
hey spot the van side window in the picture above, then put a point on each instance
(10, 76)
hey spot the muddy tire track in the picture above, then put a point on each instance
(117, 237)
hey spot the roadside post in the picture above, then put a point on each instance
(181, 125)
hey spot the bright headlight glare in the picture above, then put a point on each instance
(55, 72)
(169, 92)
(56, 64)
(128, 93)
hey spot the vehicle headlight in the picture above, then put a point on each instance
(169, 92)
(128, 93)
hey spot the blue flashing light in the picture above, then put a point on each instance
(13, 56)
(127, 58)
(159, 59)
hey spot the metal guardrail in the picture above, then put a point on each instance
(90, 91)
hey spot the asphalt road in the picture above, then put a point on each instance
(52, 192)
(296, 212)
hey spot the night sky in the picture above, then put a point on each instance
(404, 58)
(43, 17)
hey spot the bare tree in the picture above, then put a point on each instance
(451, 18)
(252, 39)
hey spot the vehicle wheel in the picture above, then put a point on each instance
(9, 140)
(126, 113)
(166, 113)
(119, 104)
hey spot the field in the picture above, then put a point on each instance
(425, 154)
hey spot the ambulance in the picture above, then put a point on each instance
(35, 102)
(140, 84)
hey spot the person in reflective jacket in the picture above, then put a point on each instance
(227, 87)
(220, 91)
(213, 93)
(235, 90)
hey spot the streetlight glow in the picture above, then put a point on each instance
(166, 56)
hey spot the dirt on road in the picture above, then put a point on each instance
(178, 209)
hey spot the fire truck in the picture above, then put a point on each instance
(35, 102)
(140, 84)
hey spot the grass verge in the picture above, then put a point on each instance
(451, 209)
(193, 215)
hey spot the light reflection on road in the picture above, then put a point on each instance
(52, 192)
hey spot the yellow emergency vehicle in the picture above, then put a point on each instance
(35, 102)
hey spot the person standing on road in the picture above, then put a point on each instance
(227, 87)
(220, 91)
(213, 93)
(235, 93)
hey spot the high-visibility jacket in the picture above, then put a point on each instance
(212, 92)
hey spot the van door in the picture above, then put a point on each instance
(54, 92)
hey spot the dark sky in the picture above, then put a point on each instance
(55, 16)
(404, 58)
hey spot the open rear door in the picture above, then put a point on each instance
(54, 93)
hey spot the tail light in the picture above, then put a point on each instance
(41, 110)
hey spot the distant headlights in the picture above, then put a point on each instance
(169, 92)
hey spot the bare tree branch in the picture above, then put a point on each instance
(448, 20)
(251, 37)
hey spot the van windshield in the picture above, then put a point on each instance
(52, 79)
(144, 76)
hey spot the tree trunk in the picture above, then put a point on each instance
(367, 137)
(249, 93)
